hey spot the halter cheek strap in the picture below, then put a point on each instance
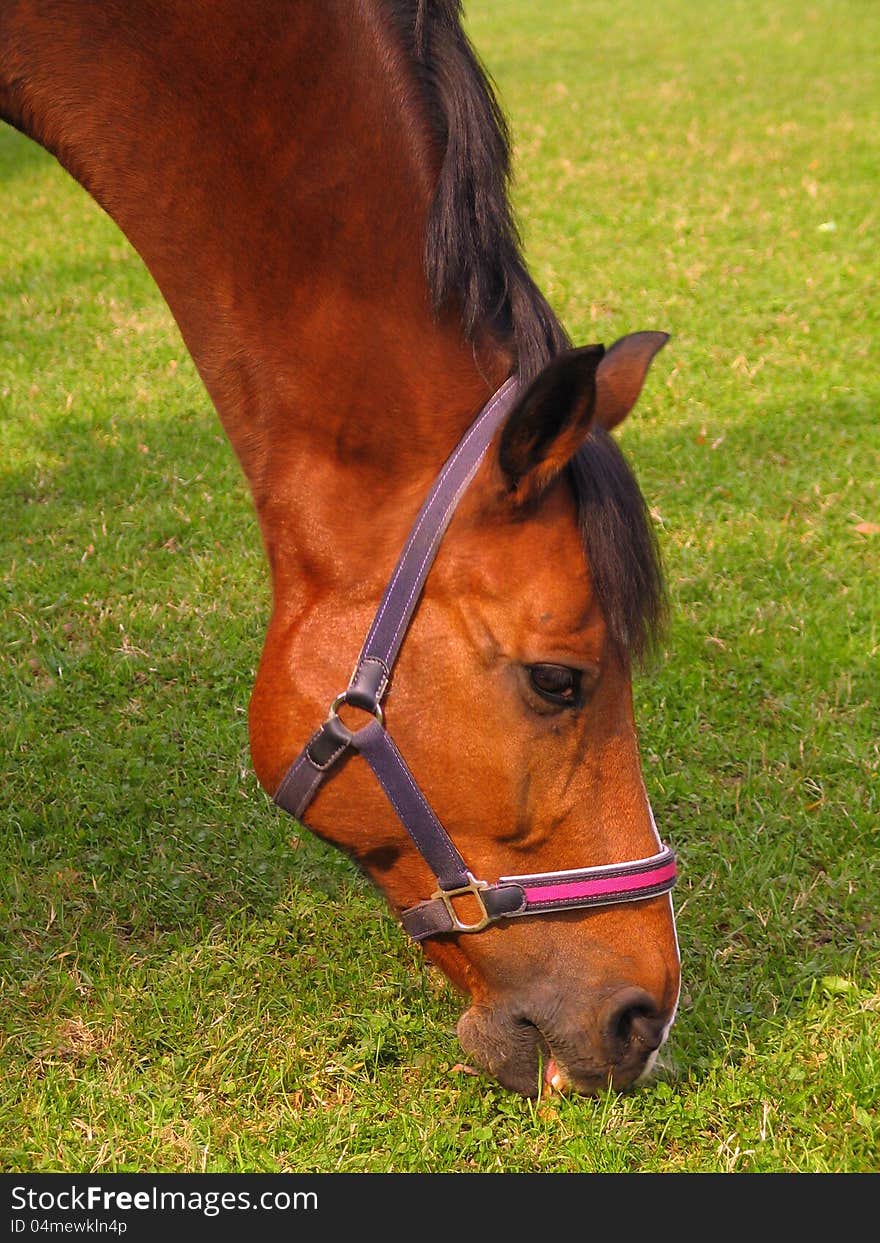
(458, 893)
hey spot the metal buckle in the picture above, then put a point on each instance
(333, 710)
(473, 887)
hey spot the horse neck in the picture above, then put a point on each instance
(286, 233)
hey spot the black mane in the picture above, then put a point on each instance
(620, 545)
(473, 253)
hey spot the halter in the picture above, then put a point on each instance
(509, 896)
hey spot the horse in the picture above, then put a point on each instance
(322, 195)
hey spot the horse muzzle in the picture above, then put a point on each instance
(549, 1042)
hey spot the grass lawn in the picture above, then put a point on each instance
(188, 983)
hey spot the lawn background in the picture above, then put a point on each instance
(188, 983)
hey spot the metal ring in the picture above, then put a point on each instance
(333, 710)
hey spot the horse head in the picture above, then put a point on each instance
(511, 701)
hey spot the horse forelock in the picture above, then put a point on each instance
(620, 545)
(473, 251)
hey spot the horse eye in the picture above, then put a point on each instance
(557, 684)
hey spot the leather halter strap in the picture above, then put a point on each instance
(511, 895)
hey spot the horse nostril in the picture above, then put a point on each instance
(630, 1023)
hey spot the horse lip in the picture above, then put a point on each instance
(554, 1077)
(505, 1046)
(518, 1053)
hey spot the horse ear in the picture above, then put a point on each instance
(621, 375)
(553, 417)
(549, 422)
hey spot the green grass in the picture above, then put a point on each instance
(187, 985)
